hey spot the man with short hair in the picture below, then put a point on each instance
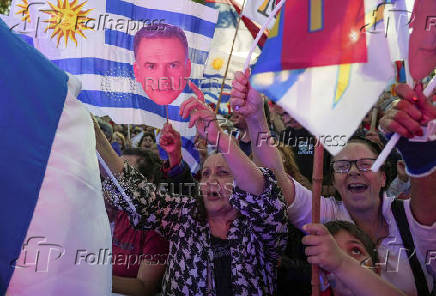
(162, 63)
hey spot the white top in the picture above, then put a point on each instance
(61, 254)
(392, 255)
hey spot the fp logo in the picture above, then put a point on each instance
(37, 253)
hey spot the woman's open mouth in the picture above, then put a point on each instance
(213, 196)
(357, 187)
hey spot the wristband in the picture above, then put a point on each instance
(420, 157)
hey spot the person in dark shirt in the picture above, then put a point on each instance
(302, 143)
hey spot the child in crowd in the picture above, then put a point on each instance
(347, 257)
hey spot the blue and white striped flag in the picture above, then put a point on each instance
(220, 52)
(52, 215)
(103, 57)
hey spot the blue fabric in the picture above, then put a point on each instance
(33, 93)
(117, 148)
(271, 61)
(122, 40)
(187, 144)
(119, 100)
(186, 22)
(271, 58)
(278, 89)
(97, 66)
(177, 170)
(420, 157)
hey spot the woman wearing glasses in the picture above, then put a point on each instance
(363, 200)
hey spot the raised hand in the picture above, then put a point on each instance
(196, 90)
(245, 99)
(406, 116)
(171, 142)
(201, 115)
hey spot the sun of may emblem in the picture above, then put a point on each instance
(67, 19)
(24, 11)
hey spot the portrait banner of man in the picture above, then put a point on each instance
(132, 82)
(162, 63)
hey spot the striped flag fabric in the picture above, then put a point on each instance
(220, 53)
(103, 57)
(52, 215)
(330, 70)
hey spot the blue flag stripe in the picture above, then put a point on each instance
(125, 40)
(189, 146)
(224, 98)
(33, 93)
(216, 85)
(90, 65)
(77, 66)
(106, 99)
(186, 22)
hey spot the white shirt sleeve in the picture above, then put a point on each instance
(300, 211)
(425, 240)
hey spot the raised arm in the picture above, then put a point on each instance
(249, 103)
(406, 119)
(104, 148)
(175, 175)
(146, 207)
(247, 176)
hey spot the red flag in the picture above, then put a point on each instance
(324, 32)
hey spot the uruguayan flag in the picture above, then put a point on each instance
(93, 40)
(53, 222)
(220, 54)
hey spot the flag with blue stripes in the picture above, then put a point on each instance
(220, 53)
(52, 204)
(98, 50)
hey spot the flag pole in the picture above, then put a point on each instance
(374, 117)
(128, 133)
(317, 177)
(228, 61)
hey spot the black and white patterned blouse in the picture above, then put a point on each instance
(257, 236)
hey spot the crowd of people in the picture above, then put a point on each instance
(243, 226)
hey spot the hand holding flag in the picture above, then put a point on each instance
(405, 116)
(406, 119)
(245, 99)
(202, 116)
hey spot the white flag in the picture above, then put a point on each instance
(259, 10)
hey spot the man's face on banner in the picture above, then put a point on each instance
(422, 51)
(162, 68)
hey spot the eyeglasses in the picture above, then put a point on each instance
(344, 166)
